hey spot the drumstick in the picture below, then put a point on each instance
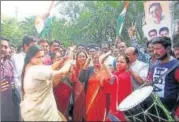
(144, 84)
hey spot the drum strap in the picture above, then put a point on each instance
(171, 69)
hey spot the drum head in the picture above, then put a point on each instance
(135, 98)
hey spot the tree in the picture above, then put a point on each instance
(84, 22)
(12, 30)
(28, 26)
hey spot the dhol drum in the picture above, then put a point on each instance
(144, 105)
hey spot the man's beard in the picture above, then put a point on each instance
(177, 58)
(164, 56)
(2, 55)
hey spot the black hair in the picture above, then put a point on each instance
(62, 44)
(92, 47)
(163, 29)
(125, 57)
(136, 51)
(81, 45)
(19, 48)
(28, 39)
(53, 55)
(54, 41)
(119, 37)
(153, 30)
(176, 44)
(78, 54)
(155, 4)
(145, 39)
(33, 50)
(81, 52)
(105, 44)
(149, 42)
(13, 46)
(165, 41)
(3, 38)
(43, 40)
(176, 37)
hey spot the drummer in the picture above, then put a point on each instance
(168, 88)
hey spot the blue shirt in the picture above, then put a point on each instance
(167, 86)
(141, 55)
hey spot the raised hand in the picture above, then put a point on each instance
(66, 68)
(71, 51)
(87, 62)
(131, 30)
(103, 57)
(72, 48)
(58, 64)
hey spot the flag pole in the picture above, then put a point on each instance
(49, 10)
(121, 19)
(40, 20)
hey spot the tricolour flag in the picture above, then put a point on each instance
(121, 19)
(43, 23)
(48, 27)
(39, 24)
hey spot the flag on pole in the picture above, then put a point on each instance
(121, 19)
(43, 23)
(39, 24)
(47, 27)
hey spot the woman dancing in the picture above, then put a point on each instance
(121, 88)
(97, 90)
(38, 102)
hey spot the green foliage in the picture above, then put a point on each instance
(95, 22)
(11, 29)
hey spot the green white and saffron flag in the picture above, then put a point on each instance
(47, 28)
(121, 19)
(39, 24)
(43, 24)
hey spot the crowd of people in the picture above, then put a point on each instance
(46, 81)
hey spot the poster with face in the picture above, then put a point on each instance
(158, 19)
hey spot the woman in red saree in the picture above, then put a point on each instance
(96, 94)
(78, 87)
(63, 90)
(120, 89)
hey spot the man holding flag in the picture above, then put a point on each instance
(132, 33)
(121, 19)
